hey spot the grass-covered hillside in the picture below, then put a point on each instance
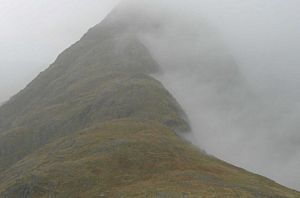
(130, 158)
(96, 124)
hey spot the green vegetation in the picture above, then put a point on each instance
(96, 124)
(133, 159)
(112, 96)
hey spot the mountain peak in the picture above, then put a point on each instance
(96, 123)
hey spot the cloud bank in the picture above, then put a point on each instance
(233, 66)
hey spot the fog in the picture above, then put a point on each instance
(232, 64)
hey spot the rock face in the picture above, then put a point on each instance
(96, 124)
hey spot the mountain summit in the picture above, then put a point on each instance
(97, 124)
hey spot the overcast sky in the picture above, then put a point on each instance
(262, 35)
(33, 33)
(265, 38)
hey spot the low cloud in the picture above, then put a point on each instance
(232, 64)
(234, 68)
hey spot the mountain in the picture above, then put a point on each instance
(97, 123)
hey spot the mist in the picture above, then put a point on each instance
(232, 65)
(234, 68)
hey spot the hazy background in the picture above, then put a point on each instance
(259, 133)
(33, 33)
(234, 67)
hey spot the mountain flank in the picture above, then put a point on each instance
(97, 124)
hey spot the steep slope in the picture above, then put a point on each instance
(102, 77)
(96, 123)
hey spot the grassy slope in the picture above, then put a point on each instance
(95, 122)
(133, 159)
(113, 96)
(104, 76)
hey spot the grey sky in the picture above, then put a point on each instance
(262, 35)
(268, 31)
(34, 32)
